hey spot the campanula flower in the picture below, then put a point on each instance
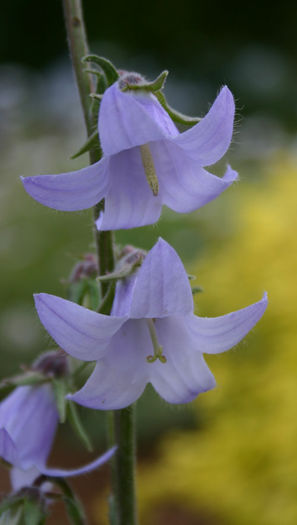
(152, 335)
(28, 423)
(146, 162)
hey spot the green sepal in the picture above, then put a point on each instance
(60, 388)
(33, 513)
(176, 116)
(74, 508)
(96, 96)
(107, 301)
(92, 294)
(153, 86)
(12, 517)
(91, 143)
(197, 289)
(10, 503)
(28, 378)
(101, 80)
(106, 65)
(74, 419)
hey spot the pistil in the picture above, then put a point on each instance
(158, 349)
(149, 168)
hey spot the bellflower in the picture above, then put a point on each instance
(146, 163)
(152, 335)
(28, 423)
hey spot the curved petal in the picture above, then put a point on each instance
(129, 201)
(68, 473)
(218, 334)
(209, 140)
(120, 376)
(185, 374)
(184, 185)
(82, 333)
(128, 119)
(76, 190)
(21, 414)
(162, 287)
(8, 450)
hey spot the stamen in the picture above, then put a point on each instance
(149, 168)
(158, 349)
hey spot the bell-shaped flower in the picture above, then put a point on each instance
(146, 163)
(152, 335)
(28, 423)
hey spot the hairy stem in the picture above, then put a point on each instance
(121, 422)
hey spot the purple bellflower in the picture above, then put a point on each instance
(28, 423)
(146, 163)
(151, 336)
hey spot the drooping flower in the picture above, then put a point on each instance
(28, 423)
(146, 163)
(152, 335)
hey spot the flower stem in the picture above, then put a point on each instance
(124, 425)
(121, 422)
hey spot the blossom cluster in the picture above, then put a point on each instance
(151, 334)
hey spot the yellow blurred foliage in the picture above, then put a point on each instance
(240, 464)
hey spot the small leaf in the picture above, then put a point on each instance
(75, 421)
(176, 116)
(91, 142)
(106, 65)
(154, 85)
(60, 390)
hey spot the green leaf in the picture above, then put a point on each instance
(176, 116)
(91, 143)
(33, 513)
(74, 419)
(10, 503)
(12, 517)
(155, 85)
(59, 385)
(106, 65)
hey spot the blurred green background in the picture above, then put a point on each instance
(230, 457)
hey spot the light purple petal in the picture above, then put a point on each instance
(71, 191)
(185, 374)
(68, 473)
(162, 287)
(82, 333)
(124, 295)
(128, 119)
(31, 412)
(120, 377)
(129, 201)
(23, 478)
(218, 334)
(184, 185)
(8, 450)
(209, 140)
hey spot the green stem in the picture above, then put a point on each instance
(121, 422)
(124, 425)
